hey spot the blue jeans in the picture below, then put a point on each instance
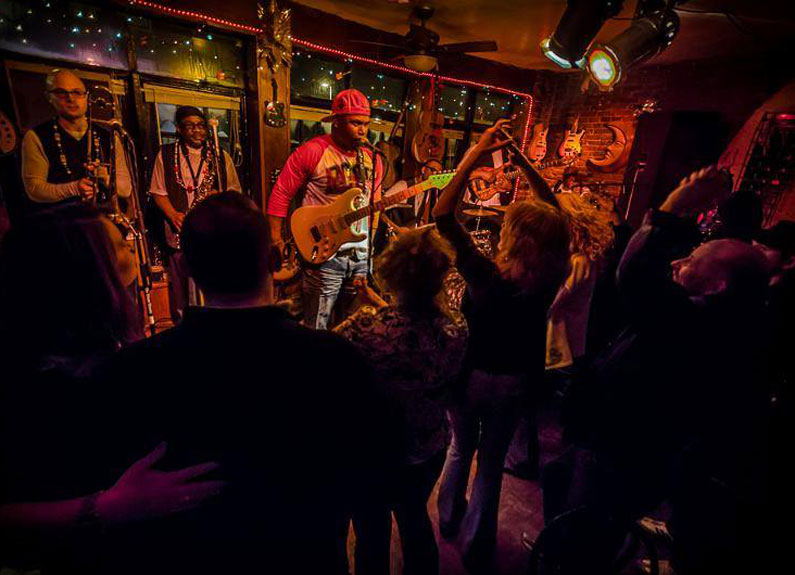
(484, 421)
(323, 284)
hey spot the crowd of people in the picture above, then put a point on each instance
(242, 440)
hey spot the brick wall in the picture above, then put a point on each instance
(732, 88)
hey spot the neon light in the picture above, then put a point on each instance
(320, 48)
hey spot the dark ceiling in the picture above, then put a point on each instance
(753, 26)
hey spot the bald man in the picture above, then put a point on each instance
(55, 154)
(675, 408)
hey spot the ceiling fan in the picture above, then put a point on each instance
(420, 47)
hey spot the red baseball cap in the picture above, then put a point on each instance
(349, 103)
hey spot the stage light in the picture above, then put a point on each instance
(645, 37)
(603, 67)
(579, 25)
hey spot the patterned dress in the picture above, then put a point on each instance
(416, 360)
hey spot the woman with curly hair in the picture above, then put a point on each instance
(591, 237)
(505, 305)
(416, 345)
(567, 326)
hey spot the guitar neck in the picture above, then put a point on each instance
(356, 215)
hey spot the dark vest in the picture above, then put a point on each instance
(176, 195)
(76, 151)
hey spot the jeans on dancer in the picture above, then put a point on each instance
(414, 486)
(484, 421)
(323, 284)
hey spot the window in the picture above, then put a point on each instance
(316, 78)
(90, 35)
(491, 107)
(453, 102)
(181, 52)
(384, 92)
(28, 90)
(225, 109)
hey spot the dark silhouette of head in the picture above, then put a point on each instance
(226, 247)
(60, 289)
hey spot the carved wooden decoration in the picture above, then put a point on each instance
(617, 152)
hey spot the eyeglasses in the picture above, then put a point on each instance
(201, 126)
(62, 94)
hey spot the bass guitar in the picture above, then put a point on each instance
(319, 231)
(485, 183)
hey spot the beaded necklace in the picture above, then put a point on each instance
(62, 155)
(208, 174)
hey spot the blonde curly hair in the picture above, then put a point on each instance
(534, 245)
(413, 268)
(591, 233)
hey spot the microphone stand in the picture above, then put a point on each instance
(137, 226)
(213, 122)
(360, 159)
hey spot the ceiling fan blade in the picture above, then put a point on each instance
(382, 44)
(458, 47)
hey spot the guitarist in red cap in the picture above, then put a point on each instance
(323, 168)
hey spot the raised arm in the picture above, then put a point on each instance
(667, 234)
(488, 142)
(537, 183)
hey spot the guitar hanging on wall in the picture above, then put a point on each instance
(428, 143)
(486, 182)
(572, 141)
(537, 149)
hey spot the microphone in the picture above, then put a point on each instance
(115, 125)
(366, 143)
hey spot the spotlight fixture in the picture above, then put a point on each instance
(579, 25)
(645, 37)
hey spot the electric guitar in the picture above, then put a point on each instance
(319, 231)
(537, 150)
(486, 182)
(572, 142)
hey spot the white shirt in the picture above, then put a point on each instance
(158, 185)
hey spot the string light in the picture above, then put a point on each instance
(195, 15)
(311, 45)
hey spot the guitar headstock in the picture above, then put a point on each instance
(439, 180)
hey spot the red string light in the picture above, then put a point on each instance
(527, 122)
(334, 51)
(195, 15)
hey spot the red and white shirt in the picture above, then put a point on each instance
(324, 171)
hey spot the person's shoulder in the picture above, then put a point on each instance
(321, 341)
(139, 355)
(30, 135)
(164, 148)
(315, 145)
